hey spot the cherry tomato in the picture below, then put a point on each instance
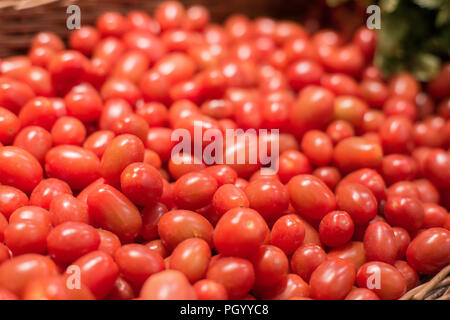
(288, 233)
(19, 169)
(310, 196)
(380, 243)
(194, 190)
(178, 225)
(227, 197)
(70, 240)
(336, 228)
(240, 232)
(332, 279)
(358, 201)
(11, 199)
(167, 285)
(137, 262)
(36, 140)
(47, 190)
(65, 207)
(210, 290)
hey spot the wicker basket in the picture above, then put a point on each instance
(22, 19)
(438, 288)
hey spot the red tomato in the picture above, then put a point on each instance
(36, 140)
(141, 183)
(403, 212)
(26, 237)
(9, 126)
(429, 251)
(358, 201)
(112, 210)
(310, 196)
(167, 285)
(235, 274)
(19, 169)
(380, 243)
(65, 207)
(194, 190)
(17, 272)
(352, 251)
(240, 232)
(227, 197)
(383, 279)
(355, 153)
(137, 262)
(332, 279)
(98, 271)
(122, 151)
(269, 197)
(288, 233)
(178, 225)
(11, 199)
(75, 165)
(191, 257)
(210, 290)
(68, 130)
(271, 265)
(47, 190)
(336, 228)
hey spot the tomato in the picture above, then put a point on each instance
(137, 262)
(271, 265)
(122, 151)
(329, 175)
(400, 106)
(210, 290)
(240, 232)
(312, 110)
(352, 251)
(402, 238)
(288, 233)
(84, 39)
(98, 272)
(336, 228)
(150, 218)
(310, 196)
(437, 167)
(396, 134)
(132, 124)
(9, 126)
(398, 167)
(109, 242)
(410, 275)
(167, 285)
(404, 85)
(19, 169)
(122, 290)
(36, 140)
(404, 212)
(17, 272)
(332, 279)
(66, 69)
(429, 251)
(194, 190)
(317, 147)
(292, 163)
(26, 237)
(65, 207)
(75, 165)
(113, 211)
(11, 199)
(141, 183)
(31, 214)
(47, 190)
(356, 153)
(227, 197)
(158, 247)
(434, 215)
(191, 257)
(237, 275)
(403, 189)
(339, 130)
(98, 142)
(269, 197)
(68, 130)
(361, 294)
(380, 243)
(49, 39)
(223, 173)
(358, 201)
(350, 109)
(159, 140)
(14, 94)
(383, 279)
(112, 110)
(178, 225)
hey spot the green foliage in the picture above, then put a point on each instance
(414, 35)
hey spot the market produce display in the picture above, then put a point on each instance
(94, 203)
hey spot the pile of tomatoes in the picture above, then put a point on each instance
(93, 205)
